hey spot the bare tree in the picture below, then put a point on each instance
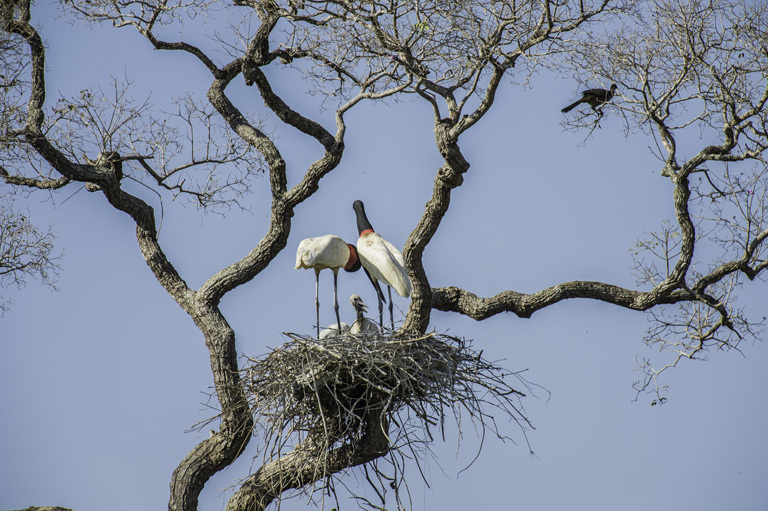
(679, 66)
(684, 68)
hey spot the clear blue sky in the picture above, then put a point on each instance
(102, 378)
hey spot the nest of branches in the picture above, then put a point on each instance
(320, 395)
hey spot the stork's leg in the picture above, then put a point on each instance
(336, 300)
(391, 306)
(381, 312)
(317, 301)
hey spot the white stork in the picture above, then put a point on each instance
(327, 251)
(381, 260)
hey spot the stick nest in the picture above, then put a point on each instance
(310, 389)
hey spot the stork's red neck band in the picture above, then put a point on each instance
(367, 231)
(352, 257)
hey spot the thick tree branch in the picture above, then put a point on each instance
(307, 464)
(185, 47)
(454, 299)
(448, 177)
(42, 184)
(226, 445)
(283, 201)
(290, 116)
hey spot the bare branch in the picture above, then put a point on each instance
(454, 299)
(25, 251)
(43, 184)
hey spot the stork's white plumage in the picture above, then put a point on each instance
(333, 331)
(381, 259)
(323, 252)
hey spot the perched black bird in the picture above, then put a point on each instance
(593, 97)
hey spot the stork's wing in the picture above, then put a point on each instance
(384, 262)
(327, 251)
(395, 252)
